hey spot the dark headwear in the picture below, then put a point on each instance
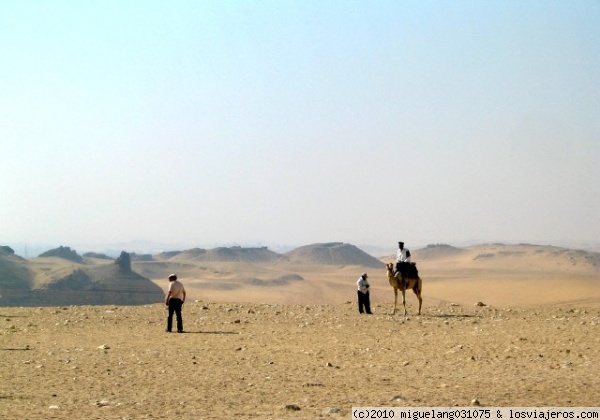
(400, 243)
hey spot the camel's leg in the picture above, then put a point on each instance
(420, 300)
(404, 300)
(418, 290)
(395, 300)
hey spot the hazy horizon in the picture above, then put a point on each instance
(287, 123)
(148, 247)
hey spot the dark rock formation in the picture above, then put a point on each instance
(6, 250)
(124, 262)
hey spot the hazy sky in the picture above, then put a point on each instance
(201, 123)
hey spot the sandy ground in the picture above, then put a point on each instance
(250, 360)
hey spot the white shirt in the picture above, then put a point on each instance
(362, 285)
(177, 290)
(401, 255)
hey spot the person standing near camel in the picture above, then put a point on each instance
(364, 301)
(175, 300)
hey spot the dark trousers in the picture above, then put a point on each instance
(364, 302)
(402, 267)
(399, 267)
(175, 307)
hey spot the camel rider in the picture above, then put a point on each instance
(402, 257)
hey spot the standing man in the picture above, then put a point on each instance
(364, 302)
(174, 300)
(402, 256)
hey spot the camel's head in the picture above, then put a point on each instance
(390, 269)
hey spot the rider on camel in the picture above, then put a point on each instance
(402, 258)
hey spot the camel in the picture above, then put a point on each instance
(403, 283)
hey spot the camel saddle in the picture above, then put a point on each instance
(408, 270)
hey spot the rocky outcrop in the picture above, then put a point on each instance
(63, 252)
(6, 250)
(123, 262)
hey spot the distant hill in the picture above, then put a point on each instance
(333, 253)
(437, 251)
(60, 278)
(97, 255)
(14, 273)
(544, 255)
(574, 256)
(225, 254)
(141, 257)
(102, 285)
(6, 250)
(313, 272)
(63, 252)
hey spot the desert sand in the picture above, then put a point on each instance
(249, 360)
(301, 349)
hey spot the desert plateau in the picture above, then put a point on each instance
(279, 335)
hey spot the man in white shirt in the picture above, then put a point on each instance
(364, 301)
(402, 256)
(175, 300)
(401, 253)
